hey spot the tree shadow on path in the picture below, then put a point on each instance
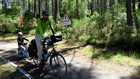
(75, 71)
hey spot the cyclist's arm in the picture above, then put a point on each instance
(26, 39)
(52, 27)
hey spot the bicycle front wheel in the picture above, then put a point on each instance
(59, 65)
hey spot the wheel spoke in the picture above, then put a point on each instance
(59, 65)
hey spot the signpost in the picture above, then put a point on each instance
(66, 21)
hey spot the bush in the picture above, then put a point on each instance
(9, 20)
(29, 19)
(31, 24)
(108, 28)
(13, 11)
(32, 32)
(8, 24)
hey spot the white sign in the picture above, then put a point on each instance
(66, 20)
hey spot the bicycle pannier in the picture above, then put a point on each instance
(32, 49)
(56, 37)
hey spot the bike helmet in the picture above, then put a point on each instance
(20, 33)
(45, 12)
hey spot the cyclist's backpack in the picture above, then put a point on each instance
(32, 49)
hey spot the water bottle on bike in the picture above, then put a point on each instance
(46, 54)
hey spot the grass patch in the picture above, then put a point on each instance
(88, 50)
(96, 53)
(8, 37)
(120, 57)
(125, 60)
(13, 37)
(9, 72)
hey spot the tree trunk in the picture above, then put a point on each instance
(129, 13)
(47, 4)
(105, 5)
(92, 6)
(39, 13)
(134, 8)
(34, 8)
(55, 11)
(60, 6)
(18, 1)
(24, 7)
(28, 5)
(5, 5)
(98, 5)
(138, 4)
(95, 5)
(77, 10)
(135, 17)
(2, 6)
(52, 7)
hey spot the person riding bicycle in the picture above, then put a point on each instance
(42, 26)
(20, 41)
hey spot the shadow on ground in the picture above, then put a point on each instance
(13, 75)
(73, 71)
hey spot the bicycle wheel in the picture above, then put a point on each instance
(59, 65)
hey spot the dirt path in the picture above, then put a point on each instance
(79, 66)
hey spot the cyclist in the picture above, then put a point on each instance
(21, 44)
(42, 25)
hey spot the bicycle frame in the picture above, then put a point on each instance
(51, 53)
(56, 60)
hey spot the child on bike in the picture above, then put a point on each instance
(22, 47)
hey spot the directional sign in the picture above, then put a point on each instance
(66, 20)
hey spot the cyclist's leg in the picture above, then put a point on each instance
(23, 51)
(20, 51)
(38, 40)
(26, 52)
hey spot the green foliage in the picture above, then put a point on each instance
(138, 17)
(79, 29)
(12, 11)
(8, 24)
(9, 20)
(135, 43)
(69, 7)
(32, 32)
(29, 19)
(32, 23)
(108, 28)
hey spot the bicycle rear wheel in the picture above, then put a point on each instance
(59, 65)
